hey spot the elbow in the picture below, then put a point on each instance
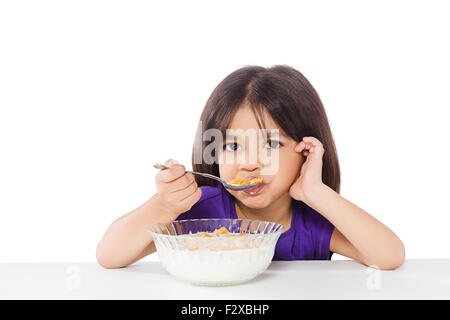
(103, 260)
(391, 260)
(105, 264)
(393, 265)
(399, 257)
(396, 259)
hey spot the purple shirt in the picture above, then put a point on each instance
(308, 237)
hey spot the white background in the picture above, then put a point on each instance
(93, 92)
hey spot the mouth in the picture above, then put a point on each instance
(255, 190)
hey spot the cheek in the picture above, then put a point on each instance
(227, 171)
(290, 163)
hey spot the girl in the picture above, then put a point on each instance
(302, 193)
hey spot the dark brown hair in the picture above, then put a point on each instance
(287, 96)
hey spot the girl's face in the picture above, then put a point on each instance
(275, 160)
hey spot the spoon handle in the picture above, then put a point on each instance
(207, 175)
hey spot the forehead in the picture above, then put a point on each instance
(244, 119)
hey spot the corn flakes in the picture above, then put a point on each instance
(245, 181)
(223, 231)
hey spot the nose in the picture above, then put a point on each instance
(249, 160)
(250, 165)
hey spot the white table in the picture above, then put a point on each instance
(335, 279)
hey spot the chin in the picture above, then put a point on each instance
(256, 202)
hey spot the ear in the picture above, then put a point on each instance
(302, 162)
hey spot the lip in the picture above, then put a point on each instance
(253, 191)
(251, 177)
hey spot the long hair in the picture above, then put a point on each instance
(287, 96)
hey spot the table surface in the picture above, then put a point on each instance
(335, 279)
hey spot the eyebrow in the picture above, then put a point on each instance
(281, 134)
(269, 135)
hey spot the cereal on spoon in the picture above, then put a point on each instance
(245, 181)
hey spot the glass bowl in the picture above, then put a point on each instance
(216, 260)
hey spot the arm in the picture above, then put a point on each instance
(127, 239)
(358, 235)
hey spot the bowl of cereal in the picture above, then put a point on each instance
(216, 252)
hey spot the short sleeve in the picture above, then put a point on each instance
(321, 232)
(210, 205)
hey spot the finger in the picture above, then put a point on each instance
(313, 145)
(313, 149)
(180, 195)
(172, 173)
(308, 148)
(307, 143)
(300, 146)
(171, 162)
(312, 140)
(192, 199)
(181, 182)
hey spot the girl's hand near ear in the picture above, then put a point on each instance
(377, 246)
(310, 178)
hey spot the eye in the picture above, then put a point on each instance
(273, 144)
(232, 146)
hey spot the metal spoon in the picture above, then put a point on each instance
(227, 185)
